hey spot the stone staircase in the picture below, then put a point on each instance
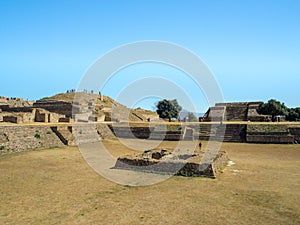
(223, 132)
(105, 132)
(64, 134)
(231, 133)
(205, 131)
(85, 134)
(236, 113)
(76, 135)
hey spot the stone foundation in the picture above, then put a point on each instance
(164, 162)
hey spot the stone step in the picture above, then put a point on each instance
(85, 134)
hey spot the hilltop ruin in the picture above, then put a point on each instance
(69, 107)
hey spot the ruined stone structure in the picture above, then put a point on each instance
(152, 133)
(262, 133)
(80, 134)
(218, 132)
(78, 107)
(15, 102)
(166, 161)
(18, 138)
(21, 115)
(237, 111)
(59, 107)
(88, 111)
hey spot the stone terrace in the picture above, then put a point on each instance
(236, 111)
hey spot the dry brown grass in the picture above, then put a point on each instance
(56, 186)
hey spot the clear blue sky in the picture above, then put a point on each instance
(252, 47)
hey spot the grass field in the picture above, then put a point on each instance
(56, 186)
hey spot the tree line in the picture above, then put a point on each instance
(169, 109)
(276, 108)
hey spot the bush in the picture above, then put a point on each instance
(2, 147)
(37, 135)
(49, 132)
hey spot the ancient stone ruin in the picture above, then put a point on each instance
(236, 111)
(166, 161)
(87, 115)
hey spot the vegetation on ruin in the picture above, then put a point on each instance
(273, 108)
(276, 108)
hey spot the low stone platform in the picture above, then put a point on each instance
(166, 161)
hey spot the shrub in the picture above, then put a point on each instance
(37, 135)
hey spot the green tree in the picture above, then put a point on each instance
(168, 109)
(273, 108)
(293, 114)
(192, 117)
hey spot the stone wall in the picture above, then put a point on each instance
(18, 109)
(29, 115)
(59, 107)
(41, 117)
(17, 117)
(218, 132)
(272, 133)
(231, 132)
(236, 113)
(227, 133)
(270, 139)
(12, 119)
(221, 132)
(44, 116)
(145, 133)
(94, 118)
(20, 138)
(4, 107)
